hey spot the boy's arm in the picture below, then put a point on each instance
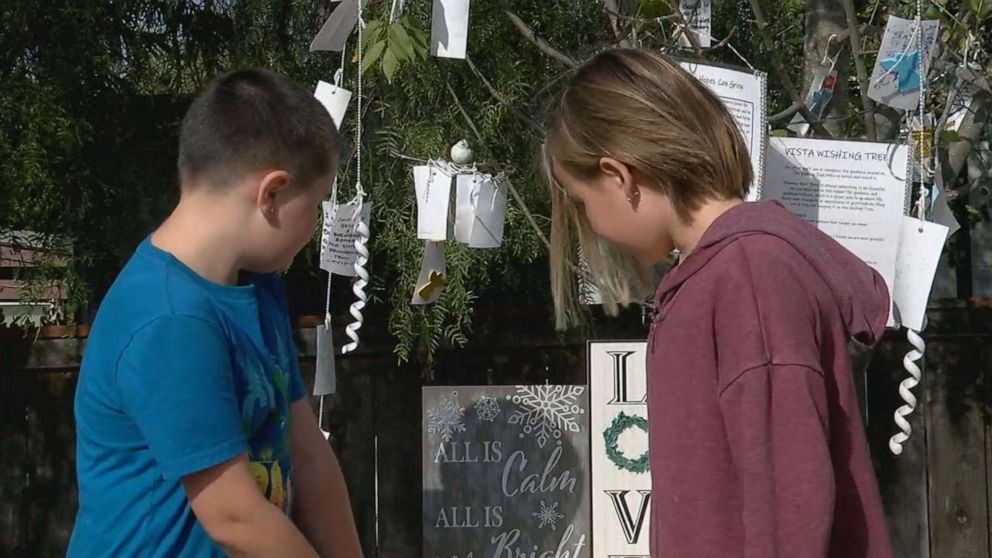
(776, 419)
(226, 501)
(321, 505)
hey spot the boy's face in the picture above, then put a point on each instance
(290, 216)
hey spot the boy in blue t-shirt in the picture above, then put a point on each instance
(194, 435)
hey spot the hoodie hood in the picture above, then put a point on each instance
(859, 292)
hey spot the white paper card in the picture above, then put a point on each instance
(433, 273)
(337, 243)
(433, 188)
(896, 78)
(698, 14)
(449, 28)
(919, 252)
(488, 211)
(744, 94)
(621, 497)
(339, 25)
(466, 187)
(335, 99)
(853, 191)
(325, 376)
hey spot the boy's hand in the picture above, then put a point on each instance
(234, 513)
(321, 505)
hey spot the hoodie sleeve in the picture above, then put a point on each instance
(776, 421)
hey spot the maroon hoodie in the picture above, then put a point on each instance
(757, 443)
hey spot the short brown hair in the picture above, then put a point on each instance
(642, 108)
(251, 119)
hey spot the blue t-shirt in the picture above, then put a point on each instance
(179, 374)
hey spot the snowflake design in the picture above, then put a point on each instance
(447, 418)
(548, 516)
(546, 411)
(487, 407)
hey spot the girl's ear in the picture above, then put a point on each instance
(620, 175)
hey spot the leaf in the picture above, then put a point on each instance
(389, 65)
(398, 37)
(372, 55)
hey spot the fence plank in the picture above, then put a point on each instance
(956, 444)
(902, 479)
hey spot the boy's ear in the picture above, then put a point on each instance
(270, 190)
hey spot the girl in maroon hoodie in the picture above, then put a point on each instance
(757, 443)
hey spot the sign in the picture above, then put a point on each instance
(621, 480)
(745, 94)
(506, 471)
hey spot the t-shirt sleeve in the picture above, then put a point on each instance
(175, 382)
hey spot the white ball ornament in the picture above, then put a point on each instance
(461, 153)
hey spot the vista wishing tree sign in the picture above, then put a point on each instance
(506, 472)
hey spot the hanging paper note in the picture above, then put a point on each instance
(335, 99)
(854, 191)
(698, 14)
(821, 92)
(433, 189)
(920, 246)
(339, 25)
(325, 376)
(896, 79)
(338, 254)
(489, 207)
(449, 28)
(433, 273)
(466, 187)
(744, 93)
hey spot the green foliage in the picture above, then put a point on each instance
(94, 92)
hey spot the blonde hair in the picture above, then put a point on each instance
(641, 108)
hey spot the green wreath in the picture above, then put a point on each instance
(612, 434)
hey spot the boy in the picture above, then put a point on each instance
(194, 435)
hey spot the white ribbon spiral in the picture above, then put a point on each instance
(915, 373)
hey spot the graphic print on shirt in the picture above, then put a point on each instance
(265, 417)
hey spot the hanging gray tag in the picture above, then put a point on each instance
(325, 379)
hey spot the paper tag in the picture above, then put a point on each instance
(821, 92)
(433, 188)
(920, 246)
(339, 25)
(489, 206)
(449, 28)
(433, 274)
(896, 79)
(337, 253)
(325, 376)
(698, 15)
(466, 188)
(335, 99)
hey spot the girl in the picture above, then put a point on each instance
(757, 446)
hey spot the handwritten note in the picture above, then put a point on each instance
(433, 188)
(905, 49)
(337, 242)
(920, 246)
(744, 94)
(506, 471)
(335, 99)
(698, 14)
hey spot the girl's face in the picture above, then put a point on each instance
(621, 209)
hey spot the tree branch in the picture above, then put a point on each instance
(540, 43)
(785, 114)
(859, 67)
(783, 73)
(461, 109)
(502, 100)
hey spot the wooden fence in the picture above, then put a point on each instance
(937, 494)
